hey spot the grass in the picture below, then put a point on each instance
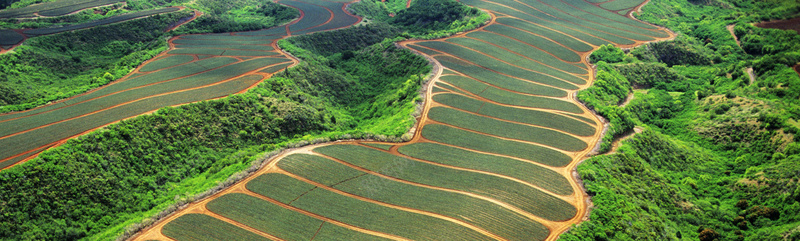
(478, 142)
(621, 4)
(317, 168)
(313, 15)
(513, 193)
(506, 129)
(499, 80)
(166, 62)
(496, 65)
(340, 18)
(53, 8)
(373, 216)
(521, 60)
(105, 21)
(535, 53)
(527, 172)
(265, 216)
(195, 226)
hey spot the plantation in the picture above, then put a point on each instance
(513, 193)
(504, 129)
(482, 213)
(497, 79)
(204, 227)
(517, 169)
(106, 21)
(532, 52)
(55, 8)
(374, 216)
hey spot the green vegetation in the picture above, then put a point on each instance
(452, 136)
(105, 21)
(280, 222)
(203, 227)
(621, 4)
(505, 129)
(53, 67)
(717, 159)
(236, 16)
(425, 19)
(53, 8)
(513, 193)
(479, 212)
(520, 170)
(371, 215)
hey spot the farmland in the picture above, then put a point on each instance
(50, 9)
(182, 75)
(491, 157)
(494, 151)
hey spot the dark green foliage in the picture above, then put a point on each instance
(239, 15)
(610, 89)
(681, 51)
(652, 75)
(432, 15)
(57, 66)
(607, 53)
(425, 19)
(345, 41)
(88, 182)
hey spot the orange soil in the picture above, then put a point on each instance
(578, 199)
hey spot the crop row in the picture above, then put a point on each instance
(561, 79)
(359, 213)
(105, 21)
(505, 129)
(48, 134)
(533, 117)
(527, 172)
(54, 8)
(617, 5)
(340, 18)
(479, 212)
(131, 93)
(526, 198)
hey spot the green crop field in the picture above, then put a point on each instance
(368, 215)
(543, 56)
(314, 15)
(318, 169)
(533, 117)
(529, 61)
(617, 5)
(558, 49)
(482, 213)
(499, 80)
(524, 171)
(506, 129)
(340, 18)
(166, 62)
(511, 98)
(499, 66)
(456, 137)
(115, 19)
(513, 193)
(8, 37)
(282, 223)
(55, 8)
(203, 227)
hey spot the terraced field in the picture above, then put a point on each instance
(492, 158)
(52, 9)
(196, 68)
